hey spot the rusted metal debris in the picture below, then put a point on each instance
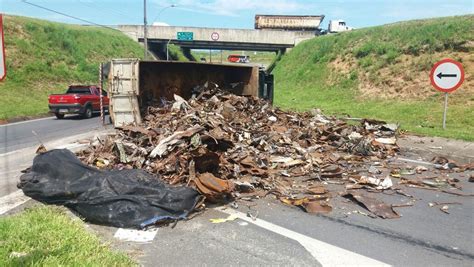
(373, 205)
(238, 147)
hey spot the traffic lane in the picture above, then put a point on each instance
(20, 135)
(235, 243)
(384, 240)
(422, 236)
(12, 163)
(200, 242)
(10, 176)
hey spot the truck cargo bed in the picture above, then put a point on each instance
(134, 85)
(163, 79)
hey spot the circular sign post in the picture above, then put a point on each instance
(215, 36)
(446, 76)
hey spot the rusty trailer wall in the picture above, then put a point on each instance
(290, 23)
(162, 79)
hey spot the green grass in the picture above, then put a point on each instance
(44, 57)
(306, 78)
(421, 117)
(47, 236)
(176, 53)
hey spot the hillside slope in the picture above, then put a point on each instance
(44, 57)
(382, 72)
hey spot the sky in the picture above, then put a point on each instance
(236, 13)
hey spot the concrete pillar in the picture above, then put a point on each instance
(187, 53)
(158, 50)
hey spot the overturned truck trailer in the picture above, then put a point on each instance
(134, 84)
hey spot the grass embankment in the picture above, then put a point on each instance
(383, 72)
(176, 53)
(45, 57)
(47, 236)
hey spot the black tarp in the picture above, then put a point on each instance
(121, 198)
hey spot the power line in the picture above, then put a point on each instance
(66, 15)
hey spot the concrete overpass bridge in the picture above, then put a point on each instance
(217, 38)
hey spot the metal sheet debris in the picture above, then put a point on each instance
(233, 148)
(317, 207)
(373, 205)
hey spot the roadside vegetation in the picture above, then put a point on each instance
(383, 73)
(47, 236)
(45, 57)
(175, 53)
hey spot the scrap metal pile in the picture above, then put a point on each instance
(238, 147)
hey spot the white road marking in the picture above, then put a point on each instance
(8, 153)
(71, 146)
(68, 146)
(21, 122)
(12, 200)
(418, 162)
(132, 235)
(326, 254)
(11, 171)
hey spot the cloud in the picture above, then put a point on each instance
(234, 7)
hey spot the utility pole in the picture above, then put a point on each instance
(145, 39)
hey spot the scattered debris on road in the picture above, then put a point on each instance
(444, 206)
(231, 147)
(375, 206)
(222, 220)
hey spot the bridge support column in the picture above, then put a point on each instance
(158, 50)
(187, 53)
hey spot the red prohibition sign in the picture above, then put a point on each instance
(437, 73)
(215, 36)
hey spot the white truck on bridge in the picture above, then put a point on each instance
(339, 25)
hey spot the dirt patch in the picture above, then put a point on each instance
(407, 78)
(12, 27)
(25, 118)
(344, 64)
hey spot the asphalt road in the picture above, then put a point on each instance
(281, 235)
(423, 236)
(20, 135)
(18, 143)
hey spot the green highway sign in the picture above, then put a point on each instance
(185, 36)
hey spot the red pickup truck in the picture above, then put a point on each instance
(78, 99)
